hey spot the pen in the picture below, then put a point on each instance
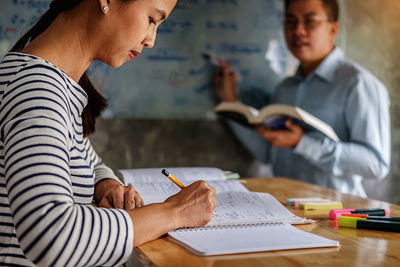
(172, 178)
(336, 213)
(210, 58)
(369, 217)
(365, 223)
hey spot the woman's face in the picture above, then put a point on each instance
(130, 26)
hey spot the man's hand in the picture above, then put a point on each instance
(109, 193)
(288, 137)
(226, 80)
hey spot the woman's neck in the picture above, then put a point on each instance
(61, 44)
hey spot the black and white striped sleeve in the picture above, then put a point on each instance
(101, 171)
(51, 228)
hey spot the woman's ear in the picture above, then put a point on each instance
(104, 6)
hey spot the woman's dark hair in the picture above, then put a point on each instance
(331, 8)
(96, 102)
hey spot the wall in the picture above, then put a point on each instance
(373, 40)
(145, 143)
(173, 80)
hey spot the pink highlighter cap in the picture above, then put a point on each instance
(335, 214)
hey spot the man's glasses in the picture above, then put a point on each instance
(308, 24)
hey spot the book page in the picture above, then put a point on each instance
(241, 207)
(246, 110)
(132, 176)
(158, 192)
(318, 124)
(241, 239)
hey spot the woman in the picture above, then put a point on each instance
(48, 168)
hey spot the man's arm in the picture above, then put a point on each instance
(226, 80)
(367, 151)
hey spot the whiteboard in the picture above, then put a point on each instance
(173, 80)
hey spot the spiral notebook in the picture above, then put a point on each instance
(218, 240)
(236, 204)
(244, 221)
(248, 222)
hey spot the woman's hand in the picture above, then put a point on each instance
(194, 204)
(109, 193)
(226, 80)
(288, 137)
(191, 207)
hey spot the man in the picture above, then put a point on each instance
(337, 91)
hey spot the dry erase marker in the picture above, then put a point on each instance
(214, 61)
(369, 217)
(365, 223)
(335, 213)
(172, 178)
(210, 58)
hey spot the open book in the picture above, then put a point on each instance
(244, 221)
(154, 187)
(273, 116)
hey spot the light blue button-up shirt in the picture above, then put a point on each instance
(356, 105)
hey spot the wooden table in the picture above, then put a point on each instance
(357, 247)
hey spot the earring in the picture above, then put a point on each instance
(105, 9)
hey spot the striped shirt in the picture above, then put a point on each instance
(47, 174)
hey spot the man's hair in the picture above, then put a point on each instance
(331, 8)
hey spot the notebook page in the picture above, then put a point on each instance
(132, 176)
(241, 239)
(245, 207)
(158, 192)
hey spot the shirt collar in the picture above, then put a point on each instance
(326, 70)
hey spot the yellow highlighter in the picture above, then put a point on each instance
(322, 205)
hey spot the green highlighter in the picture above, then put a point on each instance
(372, 224)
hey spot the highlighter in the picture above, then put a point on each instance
(336, 213)
(298, 203)
(322, 206)
(365, 223)
(290, 201)
(369, 217)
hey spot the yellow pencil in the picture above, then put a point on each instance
(174, 180)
